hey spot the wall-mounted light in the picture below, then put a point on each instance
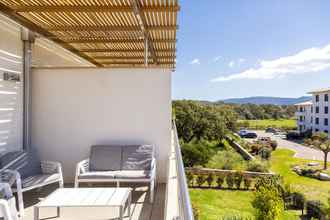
(7, 76)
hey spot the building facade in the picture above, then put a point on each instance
(304, 116)
(314, 115)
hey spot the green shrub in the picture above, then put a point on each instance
(255, 148)
(273, 144)
(238, 178)
(257, 166)
(220, 180)
(247, 182)
(196, 211)
(200, 180)
(235, 217)
(268, 203)
(265, 153)
(298, 200)
(315, 209)
(190, 178)
(195, 154)
(227, 160)
(230, 180)
(210, 179)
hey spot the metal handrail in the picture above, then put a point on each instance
(186, 211)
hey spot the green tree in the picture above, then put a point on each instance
(320, 141)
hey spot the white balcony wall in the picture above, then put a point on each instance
(73, 109)
(11, 92)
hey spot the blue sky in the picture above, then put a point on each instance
(242, 48)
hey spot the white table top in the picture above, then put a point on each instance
(86, 197)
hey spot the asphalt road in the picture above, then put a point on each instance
(301, 151)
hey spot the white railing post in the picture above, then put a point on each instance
(186, 211)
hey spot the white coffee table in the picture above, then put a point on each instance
(87, 197)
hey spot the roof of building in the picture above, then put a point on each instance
(320, 91)
(105, 32)
(305, 103)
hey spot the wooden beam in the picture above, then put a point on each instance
(70, 28)
(143, 25)
(35, 28)
(91, 8)
(113, 41)
(134, 62)
(88, 50)
(127, 57)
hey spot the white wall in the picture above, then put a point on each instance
(73, 109)
(11, 92)
(321, 115)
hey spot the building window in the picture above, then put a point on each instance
(311, 109)
(326, 110)
(316, 130)
(326, 131)
(326, 97)
(317, 109)
(326, 121)
(312, 119)
(301, 118)
(301, 109)
(317, 98)
(317, 121)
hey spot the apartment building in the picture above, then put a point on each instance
(314, 115)
(304, 116)
(320, 111)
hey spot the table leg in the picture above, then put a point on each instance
(121, 212)
(36, 213)
(58, 212)
(129, 205)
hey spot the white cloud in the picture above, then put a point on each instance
(195, 61)
(307, 61)
(231, 64)
(216, 59)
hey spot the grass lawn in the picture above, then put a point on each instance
(281, 162)
(215, 204)
(281, 123)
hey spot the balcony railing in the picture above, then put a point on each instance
(185, 208)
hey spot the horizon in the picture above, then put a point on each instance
(241, 54)
(247, 97)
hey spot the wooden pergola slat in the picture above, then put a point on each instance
(113, 41)
(125, 57)
(25, 22)
(123, 50)
(107, 28)
(92, 8)
(127, 32)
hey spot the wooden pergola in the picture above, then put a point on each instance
(108, 33)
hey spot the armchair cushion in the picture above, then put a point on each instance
(137, 157)
(132, 174)
(105, 158)
(98, 175)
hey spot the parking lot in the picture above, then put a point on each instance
(301, 150)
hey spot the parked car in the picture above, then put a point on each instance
(242, 132)
(293, 135)
(249, 134)
(270, 130)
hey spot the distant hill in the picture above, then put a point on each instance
(261, 100)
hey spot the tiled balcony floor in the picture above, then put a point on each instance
(141, 208)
